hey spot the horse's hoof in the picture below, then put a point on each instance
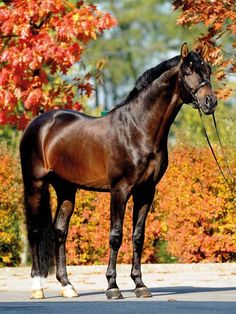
(69, 292)
(37, 294)
(114, 294)
(143, 292)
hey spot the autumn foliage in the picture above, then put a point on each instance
(219, 18)
(11, 209)
(39, 42)
(193, 212)
(198, 208)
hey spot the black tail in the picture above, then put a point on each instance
(37, 201)
(40, 229)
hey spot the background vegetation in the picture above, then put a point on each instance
(192, 218)
(11, 208)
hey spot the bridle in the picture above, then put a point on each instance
(195, 102)
(194, 99)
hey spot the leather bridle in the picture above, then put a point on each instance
(194, 99)
(193, 93)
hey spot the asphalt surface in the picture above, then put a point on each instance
(176, 289)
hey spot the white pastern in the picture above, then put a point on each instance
(69, 292)
(37, 283)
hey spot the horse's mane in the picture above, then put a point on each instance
(148, 77)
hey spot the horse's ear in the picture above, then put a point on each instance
(184, 51)
(203, 52)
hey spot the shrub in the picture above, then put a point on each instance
(192, 217)
(198, 209)
(10, 208)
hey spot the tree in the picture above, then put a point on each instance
(219, 17)
(40, 41)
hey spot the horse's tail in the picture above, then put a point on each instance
(37, 211)
(40, 230)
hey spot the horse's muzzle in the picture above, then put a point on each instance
(209, 104)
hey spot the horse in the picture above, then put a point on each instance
(124, 153)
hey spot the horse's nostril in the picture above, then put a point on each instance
(208, 100)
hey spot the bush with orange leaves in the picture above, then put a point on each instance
(11, 208)
(194, 212)
(198, 208)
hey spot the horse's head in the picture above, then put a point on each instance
(195, 85)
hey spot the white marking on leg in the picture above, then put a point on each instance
(36, 283)
(69, 291)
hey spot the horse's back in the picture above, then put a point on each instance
(66, 143)
(40, 126)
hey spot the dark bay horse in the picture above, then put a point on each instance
(124, 153)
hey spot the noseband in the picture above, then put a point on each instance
(194, 92)
(194, 99)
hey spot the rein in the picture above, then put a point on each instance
(222, 150)
(195, 104)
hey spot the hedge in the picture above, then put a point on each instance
(198, 208)
(192, 218)
(11, 209)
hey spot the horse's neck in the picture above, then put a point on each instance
(158, 106)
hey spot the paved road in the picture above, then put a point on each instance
(176, 289)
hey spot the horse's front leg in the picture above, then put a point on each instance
(117, 210)
(142, 197)
(66, 201)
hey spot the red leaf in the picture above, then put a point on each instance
(33, 98)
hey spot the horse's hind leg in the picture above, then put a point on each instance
(142, 198)
(66, 200)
